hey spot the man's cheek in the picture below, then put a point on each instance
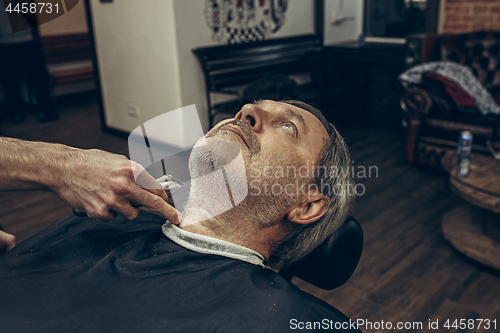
(255, 188)
(255, 170)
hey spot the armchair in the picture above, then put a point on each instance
(438, 109)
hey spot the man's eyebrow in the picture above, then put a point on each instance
(289, 113)
(292, 114)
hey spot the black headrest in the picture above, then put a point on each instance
(334, 261)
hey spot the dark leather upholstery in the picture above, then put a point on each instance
(432, 120)
(334, 261)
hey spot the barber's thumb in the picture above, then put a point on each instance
(176, 218)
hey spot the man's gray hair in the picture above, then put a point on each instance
(333, 178)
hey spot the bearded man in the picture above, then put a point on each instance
(209, 273)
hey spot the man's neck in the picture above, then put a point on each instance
(240, 232)
(248, 224)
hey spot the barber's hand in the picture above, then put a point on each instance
(103, 184)
(7, 241)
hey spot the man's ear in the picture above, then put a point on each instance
(311, 209)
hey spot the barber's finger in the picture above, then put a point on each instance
(160, 192)
(128, 211)
(103, 213)
(143, 178)
(7, 241)
(158, 204)
(11, 242)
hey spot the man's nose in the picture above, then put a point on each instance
(251, 114)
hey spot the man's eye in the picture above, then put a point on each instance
(290, 127)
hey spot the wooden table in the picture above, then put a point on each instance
(474, 229)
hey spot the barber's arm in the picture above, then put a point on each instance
(96, 181)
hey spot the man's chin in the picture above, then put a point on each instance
(213, 156)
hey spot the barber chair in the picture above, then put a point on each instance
(332, 263)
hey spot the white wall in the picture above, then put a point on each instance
(145, 59)
(350, 29)
(138, 60)
(192, 32)
(299, 19)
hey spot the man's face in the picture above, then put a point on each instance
(280, 144)
(268, 128)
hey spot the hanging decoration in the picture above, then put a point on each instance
(243, 21)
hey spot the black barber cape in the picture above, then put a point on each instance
(83, 275)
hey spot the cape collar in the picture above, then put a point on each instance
(210, 245)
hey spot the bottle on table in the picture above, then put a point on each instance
(464, 151)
